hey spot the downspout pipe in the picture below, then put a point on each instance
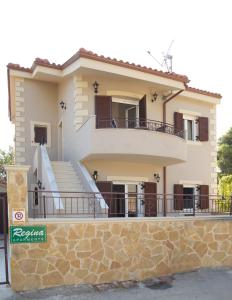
(165, 168)
(167, 100)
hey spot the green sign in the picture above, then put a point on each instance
(28, 234)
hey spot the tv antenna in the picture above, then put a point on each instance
(167, 59)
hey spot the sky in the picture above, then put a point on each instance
(124, 29)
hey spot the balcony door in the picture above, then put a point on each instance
(125, 112)
(131, 115)
(120, 112)
(125, 199)
(191, 199)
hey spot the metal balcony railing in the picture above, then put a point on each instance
(139, 124)
(87, 205)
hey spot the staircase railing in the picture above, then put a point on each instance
(90, 186)
(45, 175)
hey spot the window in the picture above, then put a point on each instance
(191, 128)
(40, 133)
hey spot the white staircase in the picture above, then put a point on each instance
(66, 178)
(72, 192)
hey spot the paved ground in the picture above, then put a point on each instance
(206, 284)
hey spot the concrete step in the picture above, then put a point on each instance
(69, 184)
(65, 169)
(65, 175)
(66, 178)
(60, 162)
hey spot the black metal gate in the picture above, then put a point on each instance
(4, 275)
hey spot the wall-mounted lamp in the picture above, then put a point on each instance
(95, 85)
(62, 105)
(198, 187)
(142, 186)
(39, 183)
(95, 175)
(154, 97)
(157, 177)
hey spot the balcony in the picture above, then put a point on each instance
(137, 140)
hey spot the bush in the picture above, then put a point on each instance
(225, 190)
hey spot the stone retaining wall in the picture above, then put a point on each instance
(99, 251)
(105, 251)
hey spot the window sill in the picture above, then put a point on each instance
(37, 144)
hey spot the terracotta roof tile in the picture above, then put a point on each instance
(18, 67)
(91, 55)
(203, 92)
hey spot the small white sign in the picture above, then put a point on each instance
(18, 215)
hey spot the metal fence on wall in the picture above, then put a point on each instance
(46, 204)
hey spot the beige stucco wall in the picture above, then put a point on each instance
(38, 103)
(78, 94)
(131, 170)
(69, 141)
(201, 164)
(139, 88)
(200, 167)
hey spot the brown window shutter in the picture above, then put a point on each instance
(142, 112)
(203, 129)
(103, 111)
(150, 199)
(178, 121)
(106, 186)
(204, 197)
(178, 197)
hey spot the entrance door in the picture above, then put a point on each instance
(118, 202)
(60, 141)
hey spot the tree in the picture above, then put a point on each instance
(6, 158)
(225, 186)
(225, 153)
(225, 190)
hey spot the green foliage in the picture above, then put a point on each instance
(225, 186)
(6, 158)
(225, 189)
(225, 153)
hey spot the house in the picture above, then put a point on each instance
(137, 135)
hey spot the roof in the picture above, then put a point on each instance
(203, 92)
(83, 53)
